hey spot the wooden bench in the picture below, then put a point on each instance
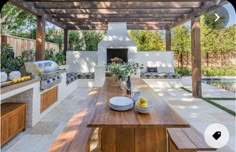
(76, 135)
(186, 140)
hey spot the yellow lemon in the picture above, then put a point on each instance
(144, 105)
(138, 104)
(14, 81)
(143, 100)
(28, 77)
(18, 80)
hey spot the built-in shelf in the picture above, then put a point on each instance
(13, 120)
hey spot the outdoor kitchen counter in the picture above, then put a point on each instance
(25, 92)
(18, 85)
(130, 131)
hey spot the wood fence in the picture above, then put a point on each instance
(20, 44)
(213, 59)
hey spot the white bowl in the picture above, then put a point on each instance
(143, 110)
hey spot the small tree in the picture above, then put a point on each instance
(181, 43)
(148, 40)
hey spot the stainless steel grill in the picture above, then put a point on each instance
(47, 70)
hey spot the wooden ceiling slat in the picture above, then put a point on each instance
(116, 19)
(120, 5)
(116, 0)
(83, 16)
(103, 27)
(206, 6)
(118, 11)
(98, 23)
(105, 24)
(29, 7)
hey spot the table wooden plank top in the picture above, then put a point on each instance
(161, 115)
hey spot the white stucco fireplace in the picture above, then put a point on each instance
(116, 38)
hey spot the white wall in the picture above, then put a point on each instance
(116, 37)
(85, 61)
(164, 61)
(81, 61)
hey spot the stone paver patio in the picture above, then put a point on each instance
(196, 111)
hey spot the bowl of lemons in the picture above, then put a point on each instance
(143, 105)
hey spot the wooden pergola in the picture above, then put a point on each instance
(139, 15)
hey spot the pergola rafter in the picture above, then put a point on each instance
(118, 11)
(168, 12)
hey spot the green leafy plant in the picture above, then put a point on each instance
(28, 55)
(123, 70)
(7, 58)
(183, 71)
(58, 57)
(222, 71)
(209, 71)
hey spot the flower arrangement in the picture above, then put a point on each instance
(116, 60)
(123, 70)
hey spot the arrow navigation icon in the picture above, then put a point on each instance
(217, 17)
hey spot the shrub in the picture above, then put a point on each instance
(209, 71)
(220, 71)
(8, 62)
(183, 71)
(58, 57)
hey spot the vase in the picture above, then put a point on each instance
(115, 78)
(123, 86)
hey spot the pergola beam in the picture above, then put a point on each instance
(206, 7)
(64, 12)
(128, 23)
(88, 16)
(65, 20)
(104, 27)
(115, 0)
(113, 5)
(119, 11)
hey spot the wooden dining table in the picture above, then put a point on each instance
(130, 131)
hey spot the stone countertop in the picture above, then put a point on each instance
(18, 85)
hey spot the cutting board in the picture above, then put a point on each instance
(7, 83)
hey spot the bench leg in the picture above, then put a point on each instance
(89, 140)
(132, 140)
(173, 148)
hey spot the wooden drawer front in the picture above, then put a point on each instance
(48, 98)
(13, 123)
(4, 131)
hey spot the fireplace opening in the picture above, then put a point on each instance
(117, 52)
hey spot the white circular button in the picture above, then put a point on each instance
(216, 135)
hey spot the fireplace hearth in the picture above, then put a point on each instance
(117, 52)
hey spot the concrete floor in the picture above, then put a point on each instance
(196, 111)
(42, 135)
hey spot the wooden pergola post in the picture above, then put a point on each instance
(168, 40)
(40, 39)
(196, 57)
(66, 40)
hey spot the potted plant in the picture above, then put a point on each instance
(121, 71)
